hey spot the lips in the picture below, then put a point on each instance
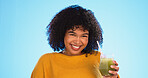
(74, 47)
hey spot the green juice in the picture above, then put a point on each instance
(105, 66)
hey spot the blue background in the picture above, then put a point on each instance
(23, 33)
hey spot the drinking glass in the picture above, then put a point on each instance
(105, 62)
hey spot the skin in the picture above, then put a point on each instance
(115, 73)
(76, 40)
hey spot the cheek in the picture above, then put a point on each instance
(67, 40)
(85, 42)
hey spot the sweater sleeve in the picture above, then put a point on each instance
(118, 76)
(40, 70)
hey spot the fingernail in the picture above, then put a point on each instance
(111, 66)
(110, 71)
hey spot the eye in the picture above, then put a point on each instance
(84, 36)
(72, 34)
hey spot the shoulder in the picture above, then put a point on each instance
(96, 53)
(49, 55)
(46, 57)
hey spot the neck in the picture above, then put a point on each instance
(69, 54)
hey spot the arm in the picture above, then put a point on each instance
(38, 71)
(42, 67)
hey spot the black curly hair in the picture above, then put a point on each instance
(70, 17)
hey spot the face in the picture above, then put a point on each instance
(75, 41)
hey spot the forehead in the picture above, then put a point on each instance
(78, 28)
(77, 31)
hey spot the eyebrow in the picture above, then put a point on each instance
(71, 32)
(86, 34)
(75, 33)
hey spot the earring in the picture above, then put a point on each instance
(63, 51)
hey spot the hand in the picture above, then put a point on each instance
(115, 73)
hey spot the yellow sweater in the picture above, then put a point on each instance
(57, 65)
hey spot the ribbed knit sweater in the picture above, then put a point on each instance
(58, 65)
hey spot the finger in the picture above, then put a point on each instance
(106, 77)
(115, 67)
(115, 62)
(114, 76)
(113, 72)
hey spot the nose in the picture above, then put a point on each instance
(77, 40)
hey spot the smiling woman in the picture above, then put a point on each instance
(75, 31)
(75, 41)
(74, 17)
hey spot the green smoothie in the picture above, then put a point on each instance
(105, 66)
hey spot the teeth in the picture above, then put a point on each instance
(75, 46)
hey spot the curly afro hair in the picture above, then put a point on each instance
(70, 17)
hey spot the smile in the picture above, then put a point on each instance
(75, 47)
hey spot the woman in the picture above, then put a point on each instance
(74, 31)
